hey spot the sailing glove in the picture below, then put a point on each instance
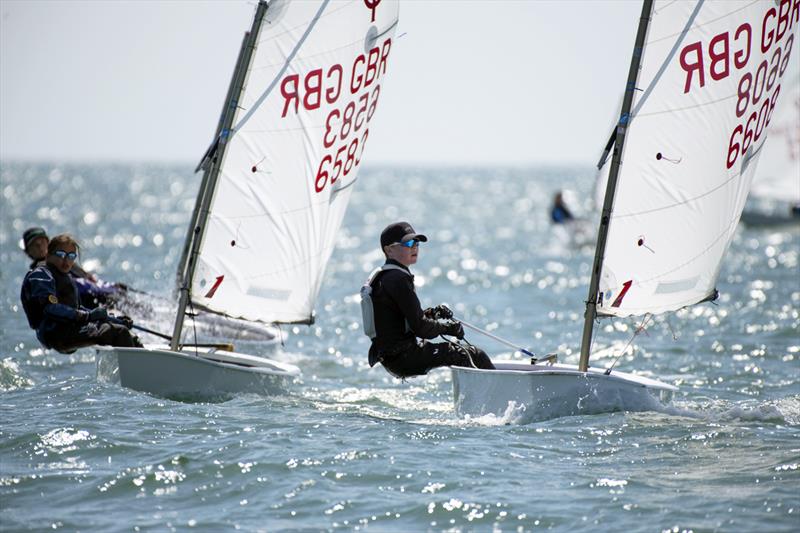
(98, 314)
(124, 320)
(441, 312)
(454, 328)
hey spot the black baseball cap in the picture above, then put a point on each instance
(33, 233)
(400, 232)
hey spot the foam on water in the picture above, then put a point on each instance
(514, 414)
(11, 378)
(781, 411)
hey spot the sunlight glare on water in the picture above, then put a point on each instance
(353, 448)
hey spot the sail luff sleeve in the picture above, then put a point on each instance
(622, 127)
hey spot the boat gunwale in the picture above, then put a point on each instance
(276, 368)
(570, 370)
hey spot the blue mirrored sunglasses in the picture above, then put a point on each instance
(72, 256)
(411, 243)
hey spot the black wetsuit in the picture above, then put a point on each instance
(92, 293)
(52, 306)
(399, 320)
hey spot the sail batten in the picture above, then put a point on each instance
(713, 73)
(297, 141)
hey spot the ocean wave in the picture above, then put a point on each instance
(11, 377)
(776, 411)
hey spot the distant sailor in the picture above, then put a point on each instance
(93, 291)
(559, 212)
(35, 242)
(394, 319)
(52, 305)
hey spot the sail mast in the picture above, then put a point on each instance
(602, 233)
(200, 216)
(206, 163)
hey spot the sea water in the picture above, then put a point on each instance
(352, 448)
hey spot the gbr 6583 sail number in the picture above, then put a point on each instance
(339, 126)
(343, 139)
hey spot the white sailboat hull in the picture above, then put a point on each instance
(208, 375)
(542, 392)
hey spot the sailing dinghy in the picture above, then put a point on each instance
(277, 180)
(702, 85)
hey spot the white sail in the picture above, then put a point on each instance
(292, 157)
(711, 75)
(778, 175)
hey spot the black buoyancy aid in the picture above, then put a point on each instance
(367, 309)
(66, 290)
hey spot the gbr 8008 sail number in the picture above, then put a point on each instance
(759, 86)
(353, 96)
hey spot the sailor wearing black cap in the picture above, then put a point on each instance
(395, 321)
(35, 241)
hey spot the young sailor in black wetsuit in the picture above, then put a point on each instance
(93, 291)
(52, 305)
(394, 319)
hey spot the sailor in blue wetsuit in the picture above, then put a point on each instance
(52, 305)
(399, 327)
(559, 213)
(93, 291)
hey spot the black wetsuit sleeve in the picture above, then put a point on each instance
(401, 289)
(43, 292)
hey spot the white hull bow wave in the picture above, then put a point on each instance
(277, 180)
(692, 127)
(544, 391)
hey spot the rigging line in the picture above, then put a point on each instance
(389, 28)
(635, 111)
(283, 69)
(280, 333)
(310, 56)
(667, 60)
(636, 332)
(679, 109)
(287, 130)
(290, 30)
(239, 317)
(331, 50)
(708, 22)
(662, 9)
(672, 331)
(194, 326)
(343, 187)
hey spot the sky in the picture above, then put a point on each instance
(470, 82)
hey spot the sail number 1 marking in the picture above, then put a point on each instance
(622, 293)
